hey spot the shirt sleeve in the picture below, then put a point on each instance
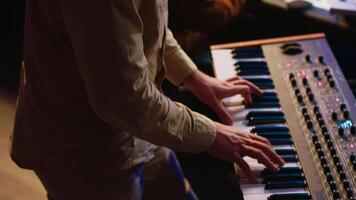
(106, 38)
(178, 64)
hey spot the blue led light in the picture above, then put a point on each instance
(345, 124)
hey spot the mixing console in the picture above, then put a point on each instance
(307, 112)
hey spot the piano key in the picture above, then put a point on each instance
(244, 64)
(280, 128)
(293, 196)
(264, 105)
(259, 120)
(239, 67)
(264, 113)
(286, 151)
(274, 134)
(259, 79)
(283, 177)
(286, 184)
(264, 85)
(290, 158)
(290, 196)
(253, 189)
(286, 169)
(276, 141)
(265, 99)
(247, 72)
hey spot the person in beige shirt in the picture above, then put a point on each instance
(90, 112)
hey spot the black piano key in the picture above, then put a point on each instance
(280, 141)
(286, 151)
(264, 105)
(256, 80)
(264, 85)
(290, 196)
(274, 134)
(263, 113)
(247, 72)
(285, 184)
(272, 128)
(290, 158)
(269, 93)
(283, 170)
(242, 55)
(283, 177)
(259, 120)
(258, 99)
(253, 64)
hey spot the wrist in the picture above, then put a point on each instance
(195, 78)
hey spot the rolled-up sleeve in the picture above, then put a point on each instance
(106, 38)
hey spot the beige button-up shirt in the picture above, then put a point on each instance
(91, 96)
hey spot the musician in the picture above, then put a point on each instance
(91, 120)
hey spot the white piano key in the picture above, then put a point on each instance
(235, 100)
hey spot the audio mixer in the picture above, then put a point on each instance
(307, 112)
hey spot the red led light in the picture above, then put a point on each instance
(352, 146)
(320, 83)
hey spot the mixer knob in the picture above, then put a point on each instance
(346, 114)
(308, 58)
(316, 109)
(353, 130)
(326, 71)
(341, 132)
(339, 167)
(336, 194)
(323, 160)
(291, 76)
(336, 159)
(352, 158)
(309, 124)
(297, 91)
(332, 83)
(329, 143)
(346, 183)
(306, 117)
(349, 193)
(319, 116)
(311, 97)
(334, 116)
(327, 136)
(293, 82)
(332, 185)
(305, 81)
(332, 150)
(321, 60)
(329, 77)
(342, 107)
(316, 73)
(342, 175)
(320, 153)
(329, 177)
(300, 98)
(326, 168)
(324, 130)
(321, 122)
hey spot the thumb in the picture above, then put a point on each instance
(222, 113)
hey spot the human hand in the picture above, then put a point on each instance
(232, 145)
(212, 91)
